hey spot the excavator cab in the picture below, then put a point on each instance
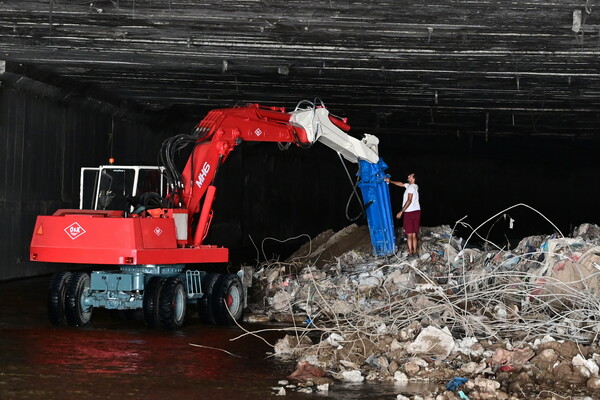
(121, 188)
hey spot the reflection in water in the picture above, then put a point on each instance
(122, 359)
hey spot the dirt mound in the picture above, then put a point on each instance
(329, 245)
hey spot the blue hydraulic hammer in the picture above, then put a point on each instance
(376, 197)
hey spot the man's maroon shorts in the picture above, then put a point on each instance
(412, 221)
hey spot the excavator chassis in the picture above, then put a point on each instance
(161, 292)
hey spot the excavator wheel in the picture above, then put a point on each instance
(228, 299)
(152, 291)
(76, 313)
(205, 306)
(172, 304)
(57, 295)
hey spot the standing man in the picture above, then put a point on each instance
(411, 210)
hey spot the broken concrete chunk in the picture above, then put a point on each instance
(305, 372)
(280, 392)
(411, 368)
(352, 376)
(593, 383)
(323, 388)
(397, 280)
(290, 344)
(367, 282)
(341, 307)
(516, 358)
(483, 384)
(400, 376)
(586, 368)
(395, 345)
(348, 364)
(545, 359)
(468, 368)
(281, 301)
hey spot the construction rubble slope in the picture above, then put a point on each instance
(476, 322)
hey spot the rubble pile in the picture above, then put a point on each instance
(482, 323)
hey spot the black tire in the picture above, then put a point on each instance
(76, 313)
(57, 296)
(205, 308)
(228, 299)
(152, 291)
(172, 304)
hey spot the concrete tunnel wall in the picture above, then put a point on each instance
(44, 144)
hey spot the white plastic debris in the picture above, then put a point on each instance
(334, 339)
(433, 341)
(468, 346)
(500, 312)
(382, 329)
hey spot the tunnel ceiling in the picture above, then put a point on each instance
(440, 67)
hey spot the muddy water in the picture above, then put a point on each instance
(122, 359)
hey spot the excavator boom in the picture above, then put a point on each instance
(223, 129)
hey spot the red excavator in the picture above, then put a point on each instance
(151, 221)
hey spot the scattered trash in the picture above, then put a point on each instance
(462, 395)
(455, 383)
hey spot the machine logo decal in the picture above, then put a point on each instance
(258, 132)
(74, 230)
(157, 231)
(202, 174)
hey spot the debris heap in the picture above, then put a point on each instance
(498, 322)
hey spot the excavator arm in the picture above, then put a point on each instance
(223, 129)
